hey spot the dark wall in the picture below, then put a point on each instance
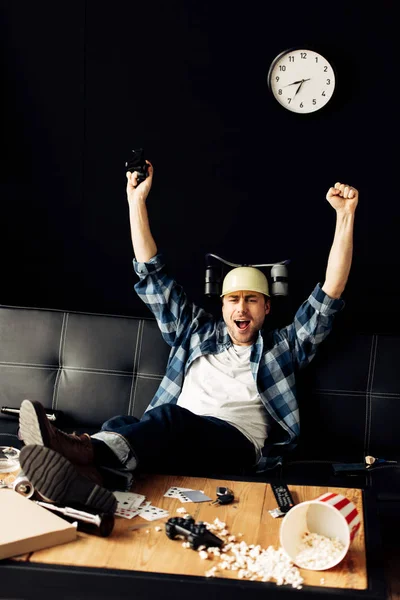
(235, 174)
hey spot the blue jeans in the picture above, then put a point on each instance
(171, 438)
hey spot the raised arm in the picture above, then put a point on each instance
(144, 246)
(344, 199)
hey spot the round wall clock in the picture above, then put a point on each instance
(301, 80)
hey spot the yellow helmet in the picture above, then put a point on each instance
(247, 279)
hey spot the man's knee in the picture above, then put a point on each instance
(117, 422)
(167, 413)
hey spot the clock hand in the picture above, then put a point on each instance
(296, 82)
(298, 89)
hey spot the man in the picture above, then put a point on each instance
(227, 402)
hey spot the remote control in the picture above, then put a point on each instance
(351, 468)
(283, 498)
(196, 534)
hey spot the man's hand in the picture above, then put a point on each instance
(343, 198)
(135, 192)
(143, 242)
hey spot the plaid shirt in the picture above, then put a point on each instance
(275, 356)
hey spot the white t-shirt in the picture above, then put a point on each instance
(222, 385)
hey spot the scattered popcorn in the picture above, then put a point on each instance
(158, 528)
(255, 563)
(181, 510)
(318, 551)
(250, 561)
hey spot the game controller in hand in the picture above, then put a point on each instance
(196, 534)
(137, 162)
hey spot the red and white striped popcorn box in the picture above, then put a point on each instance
(331, 516)
(346, 508)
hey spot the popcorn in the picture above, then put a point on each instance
(254, 563)
(250, 561)
(318, 551)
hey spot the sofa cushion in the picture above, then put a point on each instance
(93, 367)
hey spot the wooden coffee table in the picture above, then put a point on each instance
(147, 552)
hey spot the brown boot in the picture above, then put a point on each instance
(58, 480)
(91, 473)
(35, 428)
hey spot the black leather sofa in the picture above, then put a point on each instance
(93, 366)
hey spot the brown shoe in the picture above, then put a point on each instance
(57, 480)
(36, 429)
(91, 473)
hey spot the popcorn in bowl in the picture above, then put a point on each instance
(317, 534)
(318, 552)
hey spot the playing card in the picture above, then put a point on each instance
(152, 513)
(178, 492)
(197, 496)
(129, 500)
(126, 513)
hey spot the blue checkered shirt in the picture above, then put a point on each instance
(275, 356)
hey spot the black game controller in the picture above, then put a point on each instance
(196, 534)
(136, 162)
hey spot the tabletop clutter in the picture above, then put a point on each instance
(314, 535)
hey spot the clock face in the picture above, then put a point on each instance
(302, 81)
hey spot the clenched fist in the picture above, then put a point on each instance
(343, 197)
(139, 192)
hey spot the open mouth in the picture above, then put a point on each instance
(242, 325)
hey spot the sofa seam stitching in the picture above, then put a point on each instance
(134, 367)
(368, 408)
(139, 348)
(60, 360)
(84, 370)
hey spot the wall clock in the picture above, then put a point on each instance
(301, 80)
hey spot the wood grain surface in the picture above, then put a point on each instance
(149, 550)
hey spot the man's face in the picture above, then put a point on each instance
(244, 313)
